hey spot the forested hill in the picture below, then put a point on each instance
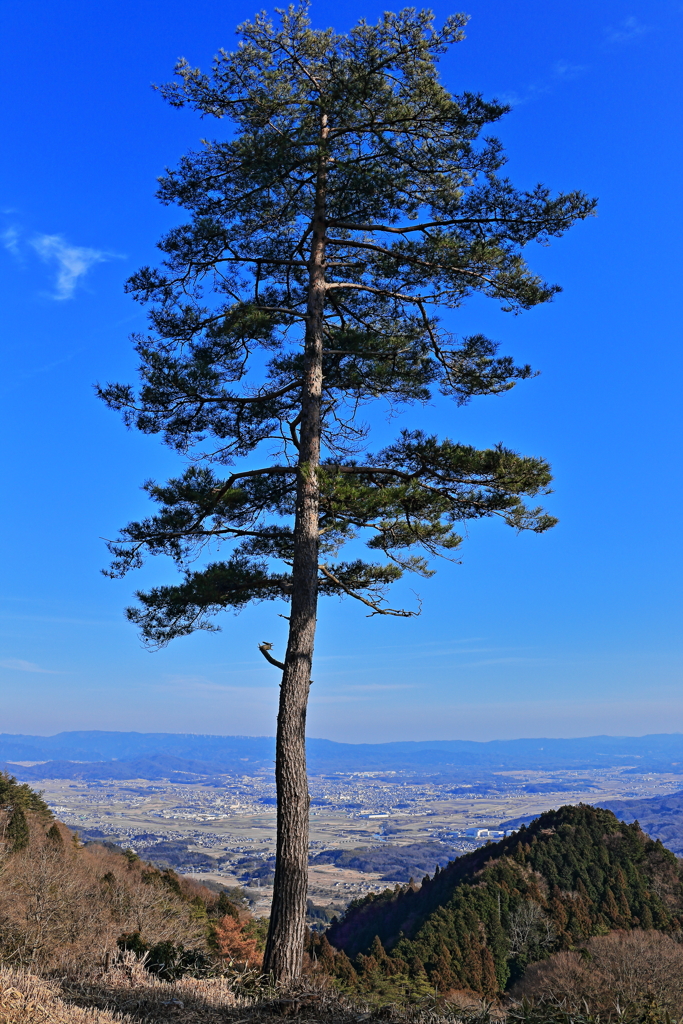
(479, 922)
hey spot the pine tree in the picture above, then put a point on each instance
(417, 969)
(377, 949)
(54, 835)
(441, 975)
(326, 955)
(18, 834)
(472, 964)
(343, 969)
(352, 201)
(489, 981)
(611, 910)
(367, 967)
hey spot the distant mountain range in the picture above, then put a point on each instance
(118, 755)
(153, 768)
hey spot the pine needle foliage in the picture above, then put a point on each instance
(16, 800)
(18, 834)
(351, 200)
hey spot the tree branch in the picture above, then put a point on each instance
(376, 607)
(434, 224)
(402, 230)
(378, 291)
(365, 355)
(228, 399)
(406, 258)
(264, 648)
(245, 399)
(228, 485)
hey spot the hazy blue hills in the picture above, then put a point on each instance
(153, 768)
(128, 746)
(660, 816)
(145, 755)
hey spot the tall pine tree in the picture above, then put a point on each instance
(352, 197)
(18, 833)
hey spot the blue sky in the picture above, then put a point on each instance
(574, 632)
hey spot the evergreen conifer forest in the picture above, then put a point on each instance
(479, 923)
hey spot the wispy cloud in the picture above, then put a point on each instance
(10, 241)
(180, 681)
(19, 665)
(72, 261)
(378, 686)
(627, 30)
(565, 71)
(508, 661)
(561, 71)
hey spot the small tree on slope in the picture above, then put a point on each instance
(350, 202)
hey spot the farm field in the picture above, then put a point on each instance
(225, 832)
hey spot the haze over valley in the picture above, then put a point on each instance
(380, 813)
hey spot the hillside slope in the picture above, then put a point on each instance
(396, 863)
(65, 906)
(477, 924)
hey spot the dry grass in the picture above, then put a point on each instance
(127, 988)
(113, 999)
(127, 994)
(26, 999)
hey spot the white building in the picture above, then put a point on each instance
(488, 833)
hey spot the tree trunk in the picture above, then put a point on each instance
(284, 948)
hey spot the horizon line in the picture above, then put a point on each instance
(384, 743)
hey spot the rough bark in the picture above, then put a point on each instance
(284, 948)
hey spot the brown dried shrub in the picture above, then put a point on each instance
(61, 906)
(619, 971)
(233, 944)
(462, 999)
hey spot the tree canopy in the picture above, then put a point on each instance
(417, 218)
